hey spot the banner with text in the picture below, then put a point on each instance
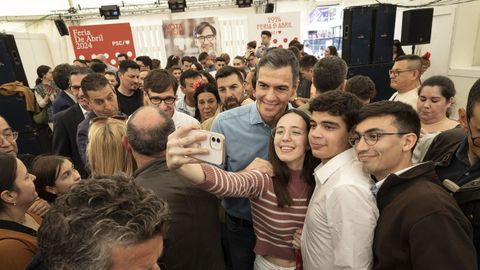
(191, 36)
(284, 27)
(107, 39)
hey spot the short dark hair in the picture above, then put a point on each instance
(97, 215)
(159, 80)
(201, 26)
(127, 64)
(149, 141)
(187, 74)
(81, 71)
(405, 117)
(295, 51)
(267, 33)
(333, 50)
(81, 61)
(227, 71)
(156, 63)
(147, 61)
(98, 67)
(110, 73)
(361, 86)
(123, 55)
(308, 61)
(172, 68)
(198, 66)
(94, 82)
(338, 103)
(279, 58)
(61, 76)
(252, 44)
(473, 98)
(241, 58)
(447, 88)
(220, 59)
(187, 58)
(172, 60)
(47, 170)
(329, 73)
(414, 61)
(202, 56)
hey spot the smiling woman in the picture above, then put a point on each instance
(279, 203)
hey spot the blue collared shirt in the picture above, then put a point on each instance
(247, 137)
(182, 107)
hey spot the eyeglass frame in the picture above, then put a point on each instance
(378, 135)
(273, 134)
(207, 37)
(164, 100)
(12, 136)
(397, 72)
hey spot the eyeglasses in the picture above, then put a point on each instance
(396, 72)
(104, 118)
(158, 100)
(475, 140)
(202, 38)
(371, 138)
(9, 136)
(293, 132)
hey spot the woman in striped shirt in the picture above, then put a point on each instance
(279, 203)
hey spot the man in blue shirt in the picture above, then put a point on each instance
(247, 131)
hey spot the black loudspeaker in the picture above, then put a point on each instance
(11, 68)
(379, 75)
(62, 27)
(269, 8)
(384, 27)
(357, 35)
(417, 26)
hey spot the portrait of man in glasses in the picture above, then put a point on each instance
(160, 91)
(205, 36)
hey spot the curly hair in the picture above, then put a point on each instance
(81, 228)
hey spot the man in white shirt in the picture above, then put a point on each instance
(405, 79)
(342, 214)
(160, 87)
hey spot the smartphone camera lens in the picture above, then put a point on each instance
(213, 139)
(218, 140)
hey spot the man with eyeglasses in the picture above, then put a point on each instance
(420, 225)
(342, 214)
(160, 89)
(405, 79)
(66, 122)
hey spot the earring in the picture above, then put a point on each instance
(15, 203)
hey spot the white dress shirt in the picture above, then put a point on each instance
(341, 217)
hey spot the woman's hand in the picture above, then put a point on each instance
(297, 239)
(39, 207)
(178, 151)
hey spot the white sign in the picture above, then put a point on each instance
(284, 27)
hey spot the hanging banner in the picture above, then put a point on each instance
(107, 39)
(284, 27)
(191, 36)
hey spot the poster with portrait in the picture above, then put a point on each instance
(284, 27)
(108, 39)
(191, 36)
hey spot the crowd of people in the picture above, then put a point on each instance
(315, 174)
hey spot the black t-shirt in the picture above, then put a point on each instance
(129, 104)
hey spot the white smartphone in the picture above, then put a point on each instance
(215, 143)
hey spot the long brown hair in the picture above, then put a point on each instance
(282, 172)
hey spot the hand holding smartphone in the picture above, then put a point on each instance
(215, 143)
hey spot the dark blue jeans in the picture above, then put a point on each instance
(238, 241)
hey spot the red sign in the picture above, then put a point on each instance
(107, 39)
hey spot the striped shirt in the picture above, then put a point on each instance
(274, 226)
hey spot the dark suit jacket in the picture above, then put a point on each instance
(65, 136)
(193, 239)
(420, 225)
(62, 102)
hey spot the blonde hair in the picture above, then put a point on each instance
(105, 151)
